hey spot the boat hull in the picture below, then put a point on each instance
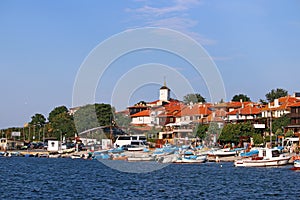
(262, 163)
(297, 164)
(200, 159)
(137, 159)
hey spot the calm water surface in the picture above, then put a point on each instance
(42, 178)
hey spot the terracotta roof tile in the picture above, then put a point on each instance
(297, 104)
(144, 113)
(249, 110)
(197, 109)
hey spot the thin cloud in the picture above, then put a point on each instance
(174, 16)
(177, 6)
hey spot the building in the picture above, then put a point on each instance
(159, 112)
(295, 118)
(279, 107)
(250, 112)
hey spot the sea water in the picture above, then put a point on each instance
(45, 178)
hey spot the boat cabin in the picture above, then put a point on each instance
(268, 153)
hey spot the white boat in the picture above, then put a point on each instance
(136, 148)
(139, 156)
(6, 154)
(76, 156)
(136, 159)
(54, 156)
(222, 152)
(266, 158)
(297, 163)
(168, 158)
(191, 159)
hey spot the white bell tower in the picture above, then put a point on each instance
(164, 92)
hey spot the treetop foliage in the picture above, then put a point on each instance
(194, 98)
(239, 97)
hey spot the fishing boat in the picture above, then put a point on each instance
(54, 156)
(167, 158)
(265, 158)
(191, 159)
(139, 156)
(75, 156)
(5, 154)
(223, 152)
(296, 165)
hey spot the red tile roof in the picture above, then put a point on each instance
(238, 104)
(288, 99)
(249, 110)
(197, 109)
(284, 103)
(153, 102)
(144, 113)
(297, 104)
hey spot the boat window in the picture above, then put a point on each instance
(134, 137)
(275, 153)
(264, 153)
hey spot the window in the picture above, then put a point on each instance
(275, 153)
(124, 138)
(142, 138)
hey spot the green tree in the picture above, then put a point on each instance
(38, 120)
(275, 94)
(213, 131)
(279, 123)
(56, 111)
(201, 130)
(233, 132)
(85, 118)
(263, 102)
(92, 116)
(104, 114)
(258, 138)
(61, 123)
(194, 98)
(289, 133)
(37, 123)
(122, 120)
(141, 103)
(229, 133)
(243, 97)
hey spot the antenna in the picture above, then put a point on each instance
(165, 84)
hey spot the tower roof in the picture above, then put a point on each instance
(164, 87)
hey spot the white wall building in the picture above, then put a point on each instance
(53, 145)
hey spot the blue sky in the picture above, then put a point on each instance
(255, 45)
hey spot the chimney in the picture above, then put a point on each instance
(276, 103)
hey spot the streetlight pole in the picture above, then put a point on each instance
(271, 130)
